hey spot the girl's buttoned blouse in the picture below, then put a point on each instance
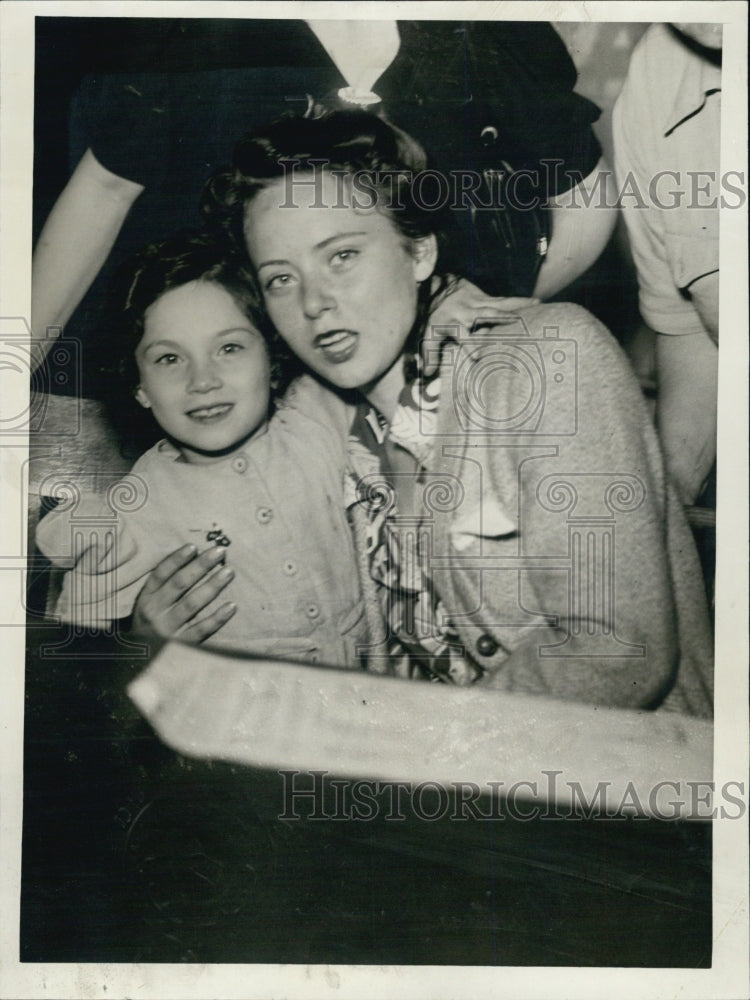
(275, 506)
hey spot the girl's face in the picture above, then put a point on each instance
(339, 281)
(204, 371)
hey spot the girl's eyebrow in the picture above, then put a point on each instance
(236, 329)
(318, 246)
(160, 344)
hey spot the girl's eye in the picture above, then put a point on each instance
(167, 359)
(230, 348)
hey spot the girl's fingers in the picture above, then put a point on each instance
(508, 303)
(179, 588)
(166, 569)
(480, 301)
(466, 313)
(460, 305)
(179, 572)
(461, 310)
(198, 598)
(200, 630)
(94, 559)
(187, 578)
(503, 304)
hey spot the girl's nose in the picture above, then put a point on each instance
(317, 298)
(204, 378)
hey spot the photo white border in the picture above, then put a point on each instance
(728, 978)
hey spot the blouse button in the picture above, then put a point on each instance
(486, 645)
(264, 514)
(239, 464)
(488, 135)
(290, 568)
(312, 611)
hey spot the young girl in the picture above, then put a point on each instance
(261, 486)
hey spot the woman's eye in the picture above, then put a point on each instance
(230, 348)
(278, 282)
(344, 257)
(167, 359)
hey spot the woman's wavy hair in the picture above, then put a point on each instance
(345, 141)
(156, 269)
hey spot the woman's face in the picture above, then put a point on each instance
(339, 281)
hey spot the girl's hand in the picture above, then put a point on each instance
(459, 311)
(181, 589)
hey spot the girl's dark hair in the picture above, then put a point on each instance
(350, 141)
(156, 269)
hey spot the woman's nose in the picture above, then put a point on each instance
(317, 298)
(204, 377)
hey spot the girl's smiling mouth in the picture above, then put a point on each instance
(209, 414)
(337, 345)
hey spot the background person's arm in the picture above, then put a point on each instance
(75, 242)
(582, 221)
(686, 327)
(531, 121)
(688, 368)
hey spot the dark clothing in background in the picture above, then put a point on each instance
(177, 94)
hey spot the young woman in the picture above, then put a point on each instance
(521, 532)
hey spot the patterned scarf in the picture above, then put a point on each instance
(421, 640)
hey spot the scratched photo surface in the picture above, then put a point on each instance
(530, 515)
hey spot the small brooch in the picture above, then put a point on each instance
(217, 536)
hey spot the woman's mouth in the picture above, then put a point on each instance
(337, 346)
(210, 414)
